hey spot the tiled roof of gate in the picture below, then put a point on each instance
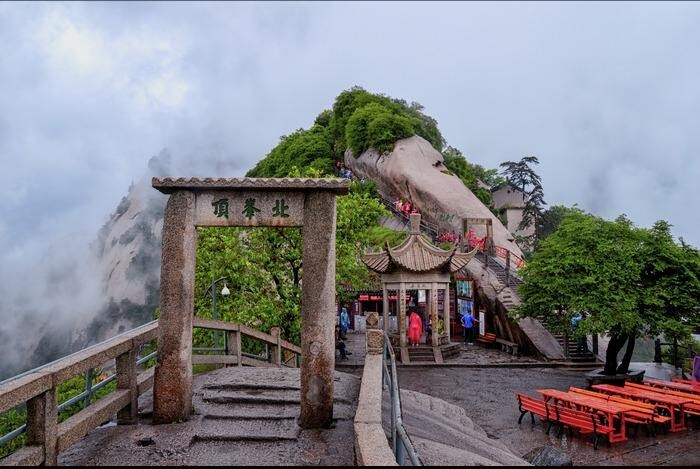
(169, 185)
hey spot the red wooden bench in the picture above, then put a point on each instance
(691, 408)
(486, 339)
(585, 423)
(643, 413)
(534, 406)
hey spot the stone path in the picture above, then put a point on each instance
(243, 416)
(470, 355)
(487, 397)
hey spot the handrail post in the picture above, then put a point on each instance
(42, 424)
(276, 349)
(127, 379)
(508, 268)
(88, 387)
(234, 346)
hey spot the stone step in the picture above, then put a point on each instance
(233, 429)
(341, 411)
(250, 387)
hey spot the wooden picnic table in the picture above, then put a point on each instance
(614, 412)
(672, 403)
(659, 383)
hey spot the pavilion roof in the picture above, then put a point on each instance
(416, 254)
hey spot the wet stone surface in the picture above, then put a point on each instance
(243, 416)
(487, 395)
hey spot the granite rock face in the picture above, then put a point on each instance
(412, 171)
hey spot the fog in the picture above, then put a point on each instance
(604, 94)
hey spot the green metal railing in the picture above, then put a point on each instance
(85, 396)
(400, 442)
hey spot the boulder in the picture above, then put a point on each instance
(415, 170)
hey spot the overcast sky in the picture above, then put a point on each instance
(606, 95)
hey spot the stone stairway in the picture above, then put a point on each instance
(574, 356)
(451, 351)
(421, 354)
(242, 416)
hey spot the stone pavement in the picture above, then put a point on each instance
(243, 416)
(470, 355)
(487, 397)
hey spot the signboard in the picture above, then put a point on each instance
(368, 297)
(249, 208)
(482, 322)
(421, 296)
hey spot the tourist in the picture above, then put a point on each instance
(398, 204)
(696, 368)
(468, 324)
(581, 345)
(415, 329)
(428, 331)
(340, 345)
(344, 322)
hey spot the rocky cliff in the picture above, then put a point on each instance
(415, 170)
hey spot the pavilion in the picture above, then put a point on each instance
(416, 264)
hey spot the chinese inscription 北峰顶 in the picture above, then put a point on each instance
(220, 207)
(280, 209)
(249, 209)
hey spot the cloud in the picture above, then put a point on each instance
(605, 94)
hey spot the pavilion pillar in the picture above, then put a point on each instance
(385, 307)
(401, 298)
(434, 314)
(446, 304)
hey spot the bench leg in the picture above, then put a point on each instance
(595, 441)
(549, 427)
(522, 414)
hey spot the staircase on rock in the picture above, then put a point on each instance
(584, 356)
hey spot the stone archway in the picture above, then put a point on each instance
(249, 202)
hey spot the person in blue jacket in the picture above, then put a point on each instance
(468, 322)
(344, 322)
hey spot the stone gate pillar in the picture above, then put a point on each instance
(318, 311)
(172, 395)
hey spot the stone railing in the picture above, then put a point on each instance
(279, 352)
(37, 388)
(371, 445)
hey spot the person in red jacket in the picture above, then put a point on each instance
(415, 328)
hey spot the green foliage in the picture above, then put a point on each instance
(376, 126)
(263, 267)
(9, 421)
(377, 121)
(626, 281)
(471, 174)
(302, 149)
(552, 218)
(393, 117)
(14, 418)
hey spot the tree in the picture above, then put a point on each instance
(471, 174)
(552, 217)
(264, 266)
(626, 281)
(524, 177)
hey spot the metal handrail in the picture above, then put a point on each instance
(400, 441)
